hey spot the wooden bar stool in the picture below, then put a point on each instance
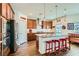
(49, 48)
(57, 47)
(68, 43)
(63, 44)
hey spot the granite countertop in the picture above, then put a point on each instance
(50, 36)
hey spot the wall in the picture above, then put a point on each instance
(63, 21)
(20, 28)
(73, 19)
(69, 19)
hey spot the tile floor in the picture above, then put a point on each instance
(30, 50)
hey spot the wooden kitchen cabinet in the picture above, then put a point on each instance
(49, 24)
(0, 32)
(6, 14)
(31, 36)
(0, 29)
(31, 24)
(46, 24)
(6, 11)
(0, 48)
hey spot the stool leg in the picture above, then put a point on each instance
(46, 48)
(59, 48)
(65, 43)
(49, 49)
(69, 44)
(54, 47)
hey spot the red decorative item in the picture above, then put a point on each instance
(57, 47)
(63, 43)
(49, 47)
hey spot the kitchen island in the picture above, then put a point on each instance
(42, 38)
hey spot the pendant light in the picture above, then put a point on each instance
(65, 13)
(44, 11)
(64, 27)
(57, 18)
(56, 11)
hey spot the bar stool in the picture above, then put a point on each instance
(63, 44)
(57, 47)
(49, 47)
(68, 43)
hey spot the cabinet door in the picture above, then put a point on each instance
(11, 14)
(31, 24)
(4, 5)
(44, 24)
(34, 24)
(8, 12)
(0, 29)
(49, 24)
(0, 9)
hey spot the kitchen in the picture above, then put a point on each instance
(36, 27)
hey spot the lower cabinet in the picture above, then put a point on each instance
(31, 36)
(0, 49)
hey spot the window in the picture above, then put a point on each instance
(76, 27)
(70, 26)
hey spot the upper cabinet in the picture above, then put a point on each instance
(46, 24)
(6, 11)
(0, 9)
(0, 29)
(49, 24)
(31, 24)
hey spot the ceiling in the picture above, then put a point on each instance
(36, 10)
